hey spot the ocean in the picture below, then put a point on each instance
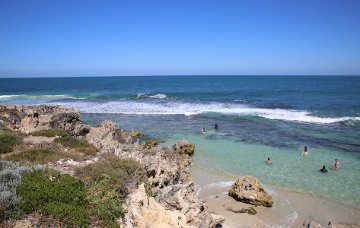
(258, 117)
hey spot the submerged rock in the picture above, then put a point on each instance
(136, 134)
(248, 189)
(184, 147)
(250, 210)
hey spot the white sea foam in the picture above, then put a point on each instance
(6, 97)
(221, 184)
(155, 96)
(38, 97)
(166, 107)
(158, 96)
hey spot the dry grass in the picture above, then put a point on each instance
(44, 156)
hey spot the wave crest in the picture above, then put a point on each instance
(167, 107)
(155, 96)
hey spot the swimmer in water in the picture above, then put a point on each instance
(216, 127)
(323, 170)
(305, 151)
(268, 161)
(203, 130)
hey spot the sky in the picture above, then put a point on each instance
(43, 38)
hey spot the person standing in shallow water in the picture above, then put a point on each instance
(337, 164)
(216, 127)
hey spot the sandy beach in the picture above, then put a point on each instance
(291, 209)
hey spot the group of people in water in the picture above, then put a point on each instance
(216, 127)
(305, 153)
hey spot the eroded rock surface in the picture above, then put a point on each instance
(248, 189)
(184, 147)
(34, 118)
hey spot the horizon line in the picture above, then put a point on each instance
(193, 75)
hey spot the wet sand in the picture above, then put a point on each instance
(290, 208)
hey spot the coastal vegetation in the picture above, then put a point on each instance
(95, 194)
(72, 142)
(51, 133)
(50, 193)
(7, 143)
(10, 178)
(107, 183)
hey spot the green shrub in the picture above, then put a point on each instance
(106, 182)
(52, 194)
(7, 143)
(10, 179)
(51, 133)
(69, 141)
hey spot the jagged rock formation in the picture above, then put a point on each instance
(173, 188)
(33, 118)
(184, 147)
(248, 189)
(173, 202)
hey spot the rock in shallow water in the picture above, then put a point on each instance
(184, 147)
(248, 189)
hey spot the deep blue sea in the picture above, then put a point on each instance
(258, 117)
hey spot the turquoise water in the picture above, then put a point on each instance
(259, 117)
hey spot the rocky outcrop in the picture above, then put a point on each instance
(34, 118)
(145, 211)
(248, 189)
(172, 186)
(174, 201)
(184, 147)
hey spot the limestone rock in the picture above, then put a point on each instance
(144, 211)
(184, 147)
(34, 118)
(151, 143)
(248, 189)
(102, 134)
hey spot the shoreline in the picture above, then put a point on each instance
(291, 208)
(179, 189)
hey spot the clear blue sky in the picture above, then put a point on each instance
(177, 37)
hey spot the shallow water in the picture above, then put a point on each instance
(241, 152)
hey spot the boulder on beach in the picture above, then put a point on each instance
(248, 189)
(184, 147)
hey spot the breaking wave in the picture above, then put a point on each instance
(165, 107)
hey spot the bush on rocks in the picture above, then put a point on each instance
(7, 143)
